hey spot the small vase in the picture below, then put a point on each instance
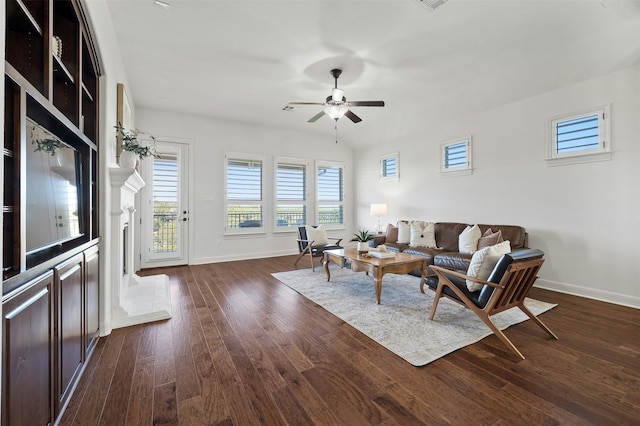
(128, 160)
(363, 246)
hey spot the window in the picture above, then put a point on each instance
(456, 156)
(291, 193)
(389, 167)
(165, 203)
(244, 199)
(579, 135)
(330, 190)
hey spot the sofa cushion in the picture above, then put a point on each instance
(447, 234)
(468, 239)
(429, 252)
(397, 247)
(515, 234)
(490, 238)
(453, 260)
(422, 234)
(404, 233)
(483, 261)
(392, 233)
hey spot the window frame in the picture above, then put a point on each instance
(383, 159)
(276, 202)
(467, 169)
(601, 153)
(329, 164)
(249, 157)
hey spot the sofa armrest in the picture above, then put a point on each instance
(378, 240)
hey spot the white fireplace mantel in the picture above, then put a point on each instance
(134, 299)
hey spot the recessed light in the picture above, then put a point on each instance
(162, 4)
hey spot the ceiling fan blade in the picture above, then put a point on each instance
(351, 116)
(315, 117)
(367, 103)
(306, 103)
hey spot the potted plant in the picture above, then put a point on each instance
(362, 237)
(131, 147)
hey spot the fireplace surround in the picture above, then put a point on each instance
(134, 299)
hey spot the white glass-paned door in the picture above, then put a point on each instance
(165, 212)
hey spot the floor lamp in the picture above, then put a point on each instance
(379, 210)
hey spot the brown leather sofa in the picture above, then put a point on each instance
(447, 254)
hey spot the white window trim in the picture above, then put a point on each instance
(325, 163)
(252, 230)
(602, 153)
(307, 201)
(462, 170)
(396, 177)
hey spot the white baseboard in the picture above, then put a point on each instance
(590, 293)
(241, 256)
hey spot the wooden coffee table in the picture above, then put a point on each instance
(401, 263)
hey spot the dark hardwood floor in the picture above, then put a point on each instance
(244, 349)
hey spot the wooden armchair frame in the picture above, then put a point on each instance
(510, 292)
(306, 247)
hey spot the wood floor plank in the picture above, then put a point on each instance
(244, 349)
(165, 407)
(139, 411)
(122, 382)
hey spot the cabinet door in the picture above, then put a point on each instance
(27, 325)
(69, 315)
(92, 298)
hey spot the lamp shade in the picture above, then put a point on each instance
(378, 209)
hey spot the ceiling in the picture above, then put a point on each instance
(244, 60)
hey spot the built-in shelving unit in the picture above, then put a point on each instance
(50, 260)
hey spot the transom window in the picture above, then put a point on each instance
(244, 193)
(291, 193)
(456, 155)
(579, 134)
(330, 190)
(389, 167)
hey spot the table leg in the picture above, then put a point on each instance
(424, 276)
(378, 284)
(325, 264)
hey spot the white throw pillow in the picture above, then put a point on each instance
(483, 261)
(422, 234)
(468, 239)
(317, 235)
(404, 232)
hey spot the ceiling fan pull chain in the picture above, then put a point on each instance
(336, 131)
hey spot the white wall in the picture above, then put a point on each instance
(112, 68)
(209, 139)
(583, 216)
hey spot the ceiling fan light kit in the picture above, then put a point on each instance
(431, 4)
(336, 105)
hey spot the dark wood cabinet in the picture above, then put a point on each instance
(50, 261)
(27, 356)
(91, 298)
(69, 355)
(50, 327)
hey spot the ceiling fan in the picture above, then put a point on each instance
(337, 105)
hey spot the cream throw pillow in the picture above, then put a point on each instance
(483, 261)
(422, 234)
(404, 233)
(468, 239)
(317, 235)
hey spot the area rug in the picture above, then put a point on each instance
(401, 322)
